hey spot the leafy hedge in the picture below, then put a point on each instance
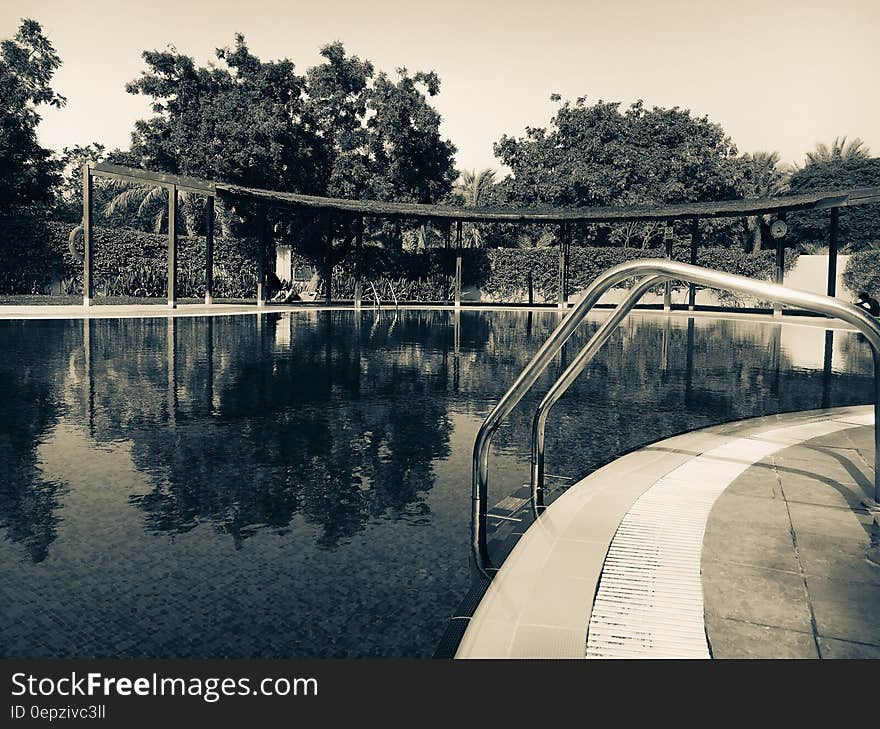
(133, 263)
(510, 267)
(35, 254)
(28, 259)
(863, 272)
(425, 275)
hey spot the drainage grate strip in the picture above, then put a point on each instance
(650, 598)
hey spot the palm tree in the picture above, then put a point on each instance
(473, 189)
(839, 149)
(765, 177)
(138, 201)
(135, 201)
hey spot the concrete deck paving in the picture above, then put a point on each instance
(791, 567)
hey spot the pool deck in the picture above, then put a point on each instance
(162, 310)
(746, 540)
(137, 311)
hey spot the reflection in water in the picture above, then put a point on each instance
(297, 432)
(29, 514)
(298, 485)
(826, 368)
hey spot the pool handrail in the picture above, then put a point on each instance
(595, 343)
(377, 304)
(658, 270)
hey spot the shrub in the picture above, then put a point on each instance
(35, 252)
(510, 267)
(133, 263)
(859, 225)
(863, 272)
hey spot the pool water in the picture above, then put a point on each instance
(298, 485)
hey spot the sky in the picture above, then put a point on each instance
(777, 75)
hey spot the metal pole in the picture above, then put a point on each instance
(832, 251)
(358, 262)
(328, 293)
(458, 264)
(876, 505)
(667, 288)
(261, 258)
(695, 243)
(446, 236)
(172, 246)
(209, 250)
(571, 373)
(779, 274)
(88, 191)
(561, 293)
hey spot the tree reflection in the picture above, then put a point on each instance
(322, 420)
(662, 376)
(340, 426)
(28, 410)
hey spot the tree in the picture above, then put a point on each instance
(240, 121)
(763, 177)
(594, 155)
(410, 161)
(335, 131)
(336, 104)
(257, 123)
(68, 194)
(859, 225)
(839, 149)
(145, 202)
(475, 189)
(28, 171)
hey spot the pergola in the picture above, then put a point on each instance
(445, 216)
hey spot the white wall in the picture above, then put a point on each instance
(810, 273)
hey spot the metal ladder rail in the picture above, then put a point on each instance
(377, 303)
(571, 373)
(393, 294)
(660, 269)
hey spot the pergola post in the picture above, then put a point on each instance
(562, 294)
(458, 264)
(261, 258)
(209, 250)
(667, 241)
(447, 234)
(172, 246)
(358, 262)
(779, 276)
(832, 251)
(88, 190)
(328, 263)
(695, 243)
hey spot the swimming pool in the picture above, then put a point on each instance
(298, 485)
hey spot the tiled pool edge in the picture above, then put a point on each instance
(69, 312)
(541, 601)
